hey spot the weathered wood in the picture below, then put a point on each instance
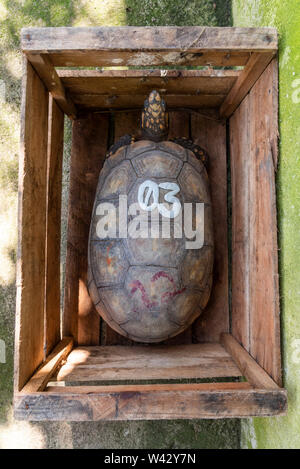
(39, 380)
(142, 46)
(148, 387)
(240, 170)
(211, 135)
(32, 227)
(252, 71)
(47, 73)
(53, 222)
(126, 82)
(264, 292)
(248, 366)
(89, 145)
(153, 405)
(255, 301)
(146, 362)
(116, 101)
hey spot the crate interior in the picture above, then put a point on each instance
(214, 103)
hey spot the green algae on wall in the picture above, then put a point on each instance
(283, 432)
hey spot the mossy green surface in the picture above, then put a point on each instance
(15, 14)
(283, 432)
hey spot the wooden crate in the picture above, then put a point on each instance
(230, 108)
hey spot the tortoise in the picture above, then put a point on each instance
(144, 278)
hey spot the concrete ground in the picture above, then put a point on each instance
(15, 14)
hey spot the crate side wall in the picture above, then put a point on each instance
(255, 295)
(29, 343)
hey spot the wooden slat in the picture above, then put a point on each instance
(47, 73)
(264, 291)
(126, 82)
(142, 46)
(157, 362)
(248, 366)
(159, 405)
(39, 380)
(54, 178)
(32, 227)
(96, 101)
(211, 135)
(252, 71)
(89, 144)
(255, 301)
(240, 170)
(149, 388)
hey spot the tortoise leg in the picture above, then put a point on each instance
(122, 142)
(196, 149)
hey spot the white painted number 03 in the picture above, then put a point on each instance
(153, 191)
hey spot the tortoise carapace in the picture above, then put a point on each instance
(151, 238)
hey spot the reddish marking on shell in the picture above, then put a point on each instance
(160, 274)
(165, 296)
(137, 285)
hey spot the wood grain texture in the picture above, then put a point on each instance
(89, 145)
(32, 228)
(54, 187)
(124, 82)
(39, 380)
(157, 405)
(256, 316)
(252, 71)
(264, 292)
(47, 73)
(148, 387)
(256, 376)
(240, 170)
(211, 135)
(146, 362)
(142, 46)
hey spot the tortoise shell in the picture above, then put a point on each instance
(150, 288)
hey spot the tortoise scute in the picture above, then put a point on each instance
(151, 288)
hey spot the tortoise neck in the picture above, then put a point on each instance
(154, 118)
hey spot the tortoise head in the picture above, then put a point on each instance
(154, 118)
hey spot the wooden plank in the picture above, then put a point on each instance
(75, 77)
(32, 227)
(148, 388)
(264, 291)
(211, 135)
(47, 73)
(54, 178)
(142, 46)
(125, 82)
(40, 379)
(89, 145)
(145, 362)
(97, 101)
(240, 170)
(252, 71)
(248, 366)
(158, 405)
(255, 302)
